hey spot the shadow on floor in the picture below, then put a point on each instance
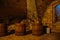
(8, 33)
(13, 31)
(28, 32)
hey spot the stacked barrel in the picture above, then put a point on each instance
(37, 28)
(19, 29)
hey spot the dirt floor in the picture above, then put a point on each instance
(52, 36)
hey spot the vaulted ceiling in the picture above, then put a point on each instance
(15, 8)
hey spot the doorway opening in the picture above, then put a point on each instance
(57, 13)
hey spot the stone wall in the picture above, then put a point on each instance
(49, 17)
(32, 14)
(42, 6)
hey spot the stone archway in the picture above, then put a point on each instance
(49, 15)
(57, 13)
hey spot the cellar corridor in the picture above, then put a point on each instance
(29, 20)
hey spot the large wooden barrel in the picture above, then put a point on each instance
(2, 29)
(37, 29)
(19, 29)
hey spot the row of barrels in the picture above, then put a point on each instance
(20, 29)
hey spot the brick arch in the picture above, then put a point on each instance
(49, 16)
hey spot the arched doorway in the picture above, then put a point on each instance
(51, 17)
(57, 13)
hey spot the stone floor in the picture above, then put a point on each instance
(52, 36)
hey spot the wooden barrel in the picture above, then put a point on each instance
(2, 29)
(37, 29)
(19, 29)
